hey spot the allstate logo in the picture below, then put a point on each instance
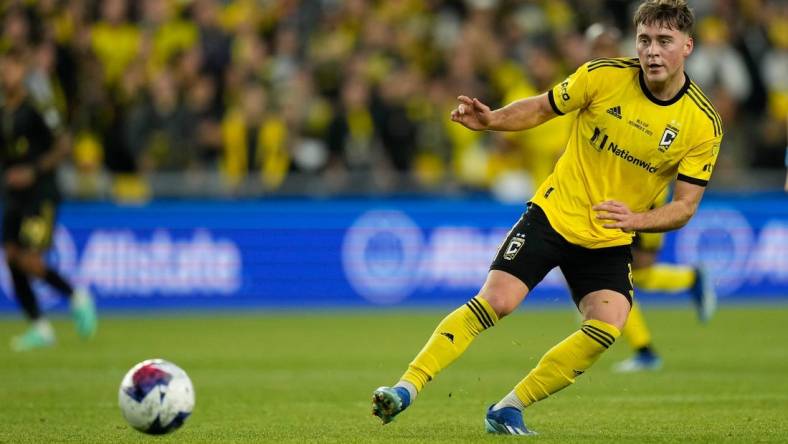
(380, 254)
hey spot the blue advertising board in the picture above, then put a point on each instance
(360, 252)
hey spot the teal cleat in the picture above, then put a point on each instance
(703, 295)
(506, 421)
(32, 339)
(83, 310)
(388, 402)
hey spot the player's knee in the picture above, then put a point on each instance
(503, 292)
(616, 319)
(502, 302)
(606, 306)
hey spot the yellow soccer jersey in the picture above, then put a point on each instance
(625, 145)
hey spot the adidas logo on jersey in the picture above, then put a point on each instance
(615, 111)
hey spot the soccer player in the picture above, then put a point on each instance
(29, 156)
(647, 273)
(642, 123)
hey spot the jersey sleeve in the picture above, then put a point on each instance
(571, 94)
(697, 165)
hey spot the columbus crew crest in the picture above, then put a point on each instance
(513, 247)
(668, 136)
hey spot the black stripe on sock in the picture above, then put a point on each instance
(479, 318)
(477, 314)
(597, 335)
(604, 333)
(480, 306)
(482, 312)
(591, 334)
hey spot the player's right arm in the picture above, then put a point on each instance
(573, 93)
(516, 116)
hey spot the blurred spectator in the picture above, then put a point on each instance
(115, 41)
(157, 129)
(775, 73)
(395, 119)
(203, 122)
(255, 140)
(308, 116)
(359, 89)
(716, 64)
(214, 43)
(164, 34)
(351, 137)
(16, 29)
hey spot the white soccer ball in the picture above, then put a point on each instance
(156, 396)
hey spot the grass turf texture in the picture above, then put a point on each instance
(288, 377)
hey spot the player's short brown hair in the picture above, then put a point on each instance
(671, 14)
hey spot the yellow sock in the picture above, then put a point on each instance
(635, 330)
(664, 277)
(567, 360)
(449, 340)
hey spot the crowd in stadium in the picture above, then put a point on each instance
(265, 91)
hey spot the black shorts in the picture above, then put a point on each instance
(29, 224)
(533, 248)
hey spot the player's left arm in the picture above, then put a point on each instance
(693, 176)
(671, 216)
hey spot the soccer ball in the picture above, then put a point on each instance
(156, 396)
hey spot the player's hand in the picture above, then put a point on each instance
(618, 215)
(20, 176)
(472, 114)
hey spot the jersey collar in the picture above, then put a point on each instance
(651, 97)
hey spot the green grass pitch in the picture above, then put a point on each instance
(293, 377)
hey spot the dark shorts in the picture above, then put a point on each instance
(533, 248)
(29, 224)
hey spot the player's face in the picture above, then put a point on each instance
(662, 52)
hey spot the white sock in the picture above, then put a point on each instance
(410, 388)
(510, 400)
(44, 327)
